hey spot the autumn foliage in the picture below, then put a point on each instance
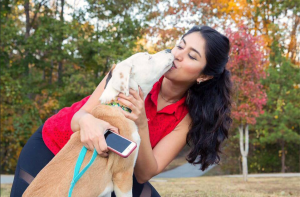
(247, 62)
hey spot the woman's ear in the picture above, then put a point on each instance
(120, 77)
(203, 78)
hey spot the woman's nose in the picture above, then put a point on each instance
(177, 54)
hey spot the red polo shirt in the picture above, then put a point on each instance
(162, 122)
(57, 129)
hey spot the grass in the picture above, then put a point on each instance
(218, 186)
(5, 190)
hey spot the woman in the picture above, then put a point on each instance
(190, 104)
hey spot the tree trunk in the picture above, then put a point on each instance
(106, 67)
(50, 73)
(282, 157)
(27, 31)
(240, 165)
(60, 62)
(245, 168)
(60, 70)
(292, 48)
(244, 150)
(299, 157)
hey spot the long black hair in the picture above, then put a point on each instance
(209, 103)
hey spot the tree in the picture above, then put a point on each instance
(281, 122)
(50, 61)
(246, 64)
(262, 16)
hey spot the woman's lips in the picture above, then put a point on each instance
(173, 66)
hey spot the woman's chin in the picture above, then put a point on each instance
(169, 75)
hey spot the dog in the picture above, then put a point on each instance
(105, 174)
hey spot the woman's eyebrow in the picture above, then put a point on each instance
(192, 48)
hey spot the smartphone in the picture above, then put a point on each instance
(119, 144)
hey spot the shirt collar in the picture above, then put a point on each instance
(170, 109)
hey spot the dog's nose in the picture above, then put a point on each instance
(168, 50)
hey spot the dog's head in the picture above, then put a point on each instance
(141, 69)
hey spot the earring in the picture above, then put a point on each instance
(198, 82)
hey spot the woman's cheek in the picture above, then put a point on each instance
(193, 69)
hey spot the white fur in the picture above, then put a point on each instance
(140, 69)
(118, 192)
(107, 192)
(109, 94)
(136, 137)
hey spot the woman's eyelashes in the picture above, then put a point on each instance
(192, 57)
(179, 47)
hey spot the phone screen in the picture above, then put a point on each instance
(116, 142)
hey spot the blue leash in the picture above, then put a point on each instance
(77, 174)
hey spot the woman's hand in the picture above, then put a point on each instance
(135, 101)
(92, 133)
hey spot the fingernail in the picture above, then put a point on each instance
(118, 98)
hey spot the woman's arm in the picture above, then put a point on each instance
(86, 109)
(146, 164)
(151, 162)
(92, 129)
(76, 119)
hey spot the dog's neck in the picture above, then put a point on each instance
(110, 93)
(115, 104)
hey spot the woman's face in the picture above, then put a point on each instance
(189, 59)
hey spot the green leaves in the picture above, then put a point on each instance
(59, 62)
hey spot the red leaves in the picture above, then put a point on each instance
(248, 59)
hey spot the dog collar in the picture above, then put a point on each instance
(115, 104)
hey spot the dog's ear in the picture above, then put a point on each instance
(109, 75)
(120, 77)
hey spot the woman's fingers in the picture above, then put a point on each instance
(127, 103)
(136, 103)
(85, 142)
(96, 145)
(135, 94)
(100, 146)
(128, 115)
(92, 134)
(141, 93)
(114, 129)
(133, 101)
(86, 146)
(90, 146)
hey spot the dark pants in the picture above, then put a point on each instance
(35, 156)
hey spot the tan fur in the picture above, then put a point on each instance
(56, 176)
